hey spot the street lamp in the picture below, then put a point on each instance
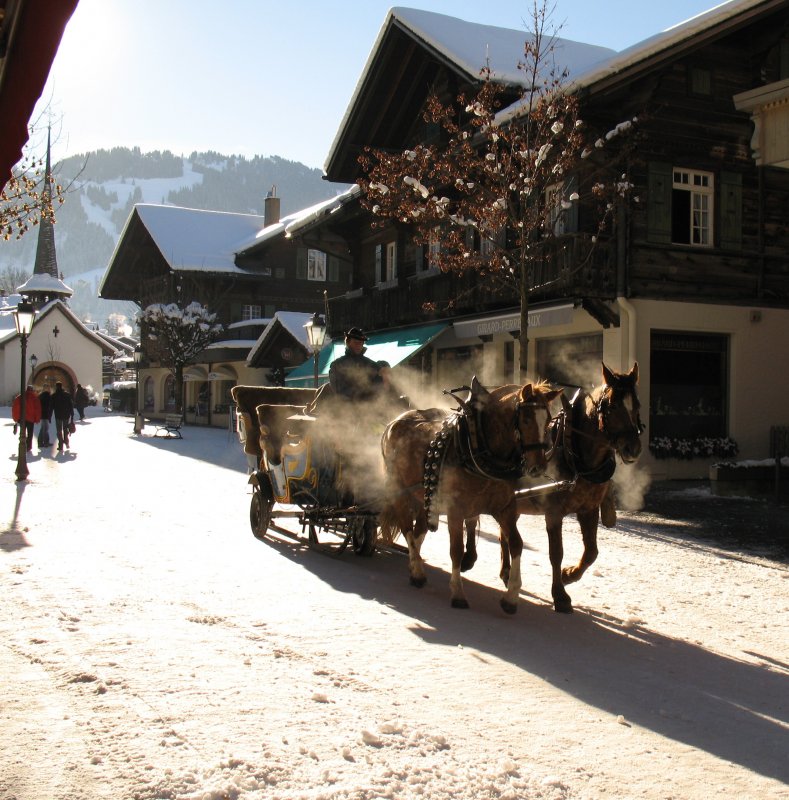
(33, 364)
(137, 415)
(23, 318)
(316, 333)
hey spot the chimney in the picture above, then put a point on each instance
(271, 208)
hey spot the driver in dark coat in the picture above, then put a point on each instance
(354, 375)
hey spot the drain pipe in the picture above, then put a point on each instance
(630, 312)
(625, 305)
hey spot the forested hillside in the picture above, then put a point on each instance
(104, 185)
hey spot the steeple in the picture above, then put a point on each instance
(46, 257)
(44, 284)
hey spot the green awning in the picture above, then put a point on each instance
(394, 346)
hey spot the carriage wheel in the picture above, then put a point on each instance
(331, 542)
(259, 514)
(364, 533)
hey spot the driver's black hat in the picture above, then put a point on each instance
(355, 333)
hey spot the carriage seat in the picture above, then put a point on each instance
(248, 398)
(276, 423)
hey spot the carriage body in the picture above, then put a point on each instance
(300, 471)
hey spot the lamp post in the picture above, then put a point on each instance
(23, 318)
(316, 333)
(137, 415)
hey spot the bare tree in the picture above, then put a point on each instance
(499, 184)
(10, 278)
(173, 336)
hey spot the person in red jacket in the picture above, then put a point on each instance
(32, 412)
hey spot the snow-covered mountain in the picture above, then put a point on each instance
(102, 187)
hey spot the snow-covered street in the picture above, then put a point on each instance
(152, 648)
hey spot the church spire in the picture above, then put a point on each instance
(45, 284)
(46, 258)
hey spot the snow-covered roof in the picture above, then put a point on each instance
(290, 224)
(260, 322)
(196, 240)
(470, 45)
(8, 332)
(44, 283)
(650, 47)
(238, 344)
(292, 321)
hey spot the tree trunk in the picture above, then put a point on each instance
(523, 339)
(179, 388)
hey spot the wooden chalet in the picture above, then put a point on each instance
(245, 268)
(692, 280)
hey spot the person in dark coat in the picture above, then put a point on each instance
(63, 409)
(354, 375)
(32, 413)
(46, 417)
(81, 400)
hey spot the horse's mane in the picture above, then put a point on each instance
(514, 388)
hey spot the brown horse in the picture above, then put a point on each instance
(588, 436)
(468, 463)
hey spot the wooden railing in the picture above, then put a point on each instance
(568, 266)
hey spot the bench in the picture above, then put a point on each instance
(171, 427)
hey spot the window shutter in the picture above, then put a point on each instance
(571, 215)
(731, 210)
(659, 184)
(379, 263)
(419, 257)
(334, 269)
(301, 263)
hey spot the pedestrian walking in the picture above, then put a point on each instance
(63, 409)
(81, 400)
(45, 398)
(32, 413)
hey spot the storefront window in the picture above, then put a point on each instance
(688, 395)
(571, 360)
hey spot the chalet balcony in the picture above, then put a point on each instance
(568, 266)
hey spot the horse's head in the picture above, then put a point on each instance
(532, 409)
(618, 413)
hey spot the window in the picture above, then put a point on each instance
(386, 263)
(316, 265)
(571, 360)
(250, 312)
(681, 207)
(688, 395)
(691, 208)
(700, 81)
(391, 261)
(434, 249)
(147, 393)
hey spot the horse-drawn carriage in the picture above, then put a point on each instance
(317, 458)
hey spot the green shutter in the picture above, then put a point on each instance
(334, 269)
(659, 185)
(301, 263)
(731, 210)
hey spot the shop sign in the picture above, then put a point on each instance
(538, 318)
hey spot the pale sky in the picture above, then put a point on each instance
(262, 77)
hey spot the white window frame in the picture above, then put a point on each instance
(391, 261)
(250, 312)
(316, 265)
(701, 186)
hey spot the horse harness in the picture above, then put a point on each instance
(464, 429)
(567, 433)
